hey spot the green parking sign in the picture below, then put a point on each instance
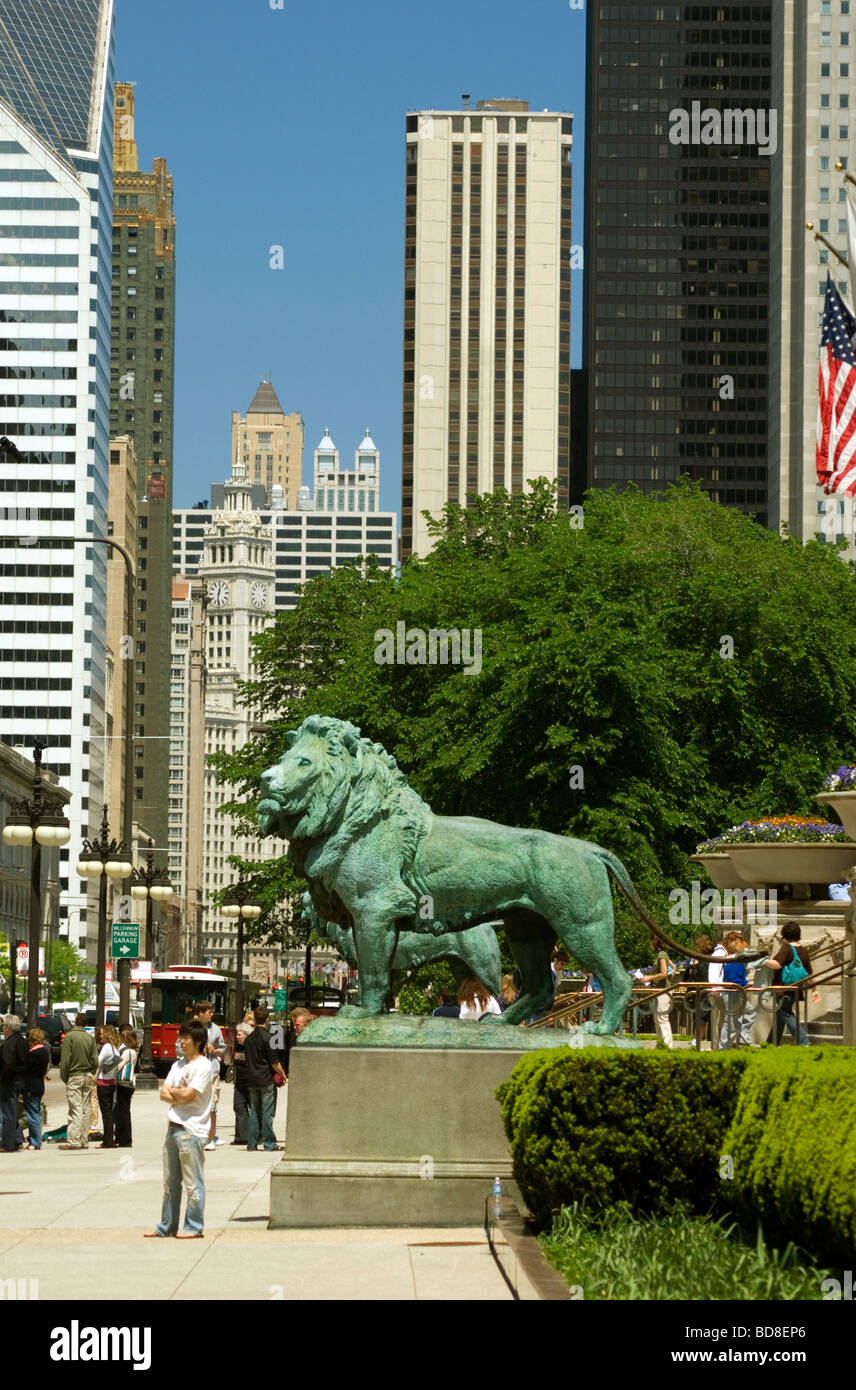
(125, 943)
(280, 999)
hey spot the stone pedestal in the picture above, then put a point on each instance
(391, 1137)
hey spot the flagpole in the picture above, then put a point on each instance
(848, 177)
(828, 244)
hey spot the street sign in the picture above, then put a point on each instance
(22, 959)
(125, 944)
(280, 999)
(141, 972)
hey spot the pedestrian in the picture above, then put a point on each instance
(109, 1065)
(38, 1065)
(716, 979)
(734, 1000)
(13, 1066)
(215, 1049)
(187, 1090)
(447, 1008)
(508, 994)
(262, 1066)
(126, 1081)
(699, 1000)
(241, 1095)
(659, 976)
(793, 965)
(476, 1000)
(78, 1063)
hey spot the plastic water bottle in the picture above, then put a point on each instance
(497, 1198)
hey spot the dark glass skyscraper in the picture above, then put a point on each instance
(677, 247)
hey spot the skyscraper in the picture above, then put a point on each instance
(269, 443)
(677, 246)
(56, 155)
(813, 82)
(339, 489)
(487, 305)
(142, 352)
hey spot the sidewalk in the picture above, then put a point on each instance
(75, 1223)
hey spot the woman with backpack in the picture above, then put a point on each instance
(793, 964)
(109, 1062)
(129, 1048)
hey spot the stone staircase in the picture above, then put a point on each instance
(828, 1029)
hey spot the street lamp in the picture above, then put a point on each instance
(147, 885)
(39, 821)
(239, 904)
(102, 859)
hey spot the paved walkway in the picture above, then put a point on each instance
(75, 1223)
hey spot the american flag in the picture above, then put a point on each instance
(836, 413)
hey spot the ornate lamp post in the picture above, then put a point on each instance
(39, 821)
(148, 885)
(102, 859)
(240, 903)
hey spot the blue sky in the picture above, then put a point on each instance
(286, 127)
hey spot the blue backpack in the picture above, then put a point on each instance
(794, 972)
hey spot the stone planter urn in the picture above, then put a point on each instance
(844, 805)
(719, 869)
(766, 865)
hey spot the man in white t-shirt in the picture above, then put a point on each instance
(187, 1091)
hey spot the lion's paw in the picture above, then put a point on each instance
(353, 1011)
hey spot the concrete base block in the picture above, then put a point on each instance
(391, 1137)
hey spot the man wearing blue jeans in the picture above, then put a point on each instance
(260, 1067)
(187, 1091)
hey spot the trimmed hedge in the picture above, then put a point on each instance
(793, 1144)
(635, 1131)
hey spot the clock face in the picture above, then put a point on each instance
(258, 594)
(218, 592)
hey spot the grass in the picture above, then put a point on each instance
(615, 1256)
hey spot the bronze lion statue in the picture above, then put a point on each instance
(379, 863)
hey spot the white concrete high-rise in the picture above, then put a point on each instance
(813, 58)
(56, 155)
(339, 489)
(487, 306)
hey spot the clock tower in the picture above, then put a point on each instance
(238, 574)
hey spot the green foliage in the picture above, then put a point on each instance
(616, 1255)
(601, 649)
(420, 992)
(70, 972)
(636, 1131)
(793, 1145)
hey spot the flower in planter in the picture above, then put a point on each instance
(776, 830)
(843, 779)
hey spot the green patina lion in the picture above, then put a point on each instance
(379, 862)
(471, 952)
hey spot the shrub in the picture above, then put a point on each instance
(793, 1145)
(677, 1256)
(633, 1130)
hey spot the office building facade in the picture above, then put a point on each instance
(56, 154)
(487, 306)
(677, 245)
(269, 444)
(141, 406)
(813, 81)
(339, 489)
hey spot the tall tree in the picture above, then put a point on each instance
(648, 677)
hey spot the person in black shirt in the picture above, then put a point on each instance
(448, 1007)
(261, 1067)
(13, 1066)
(241, 1096)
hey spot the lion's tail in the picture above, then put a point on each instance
(615, 867)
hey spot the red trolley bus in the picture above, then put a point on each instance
(174, 993)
